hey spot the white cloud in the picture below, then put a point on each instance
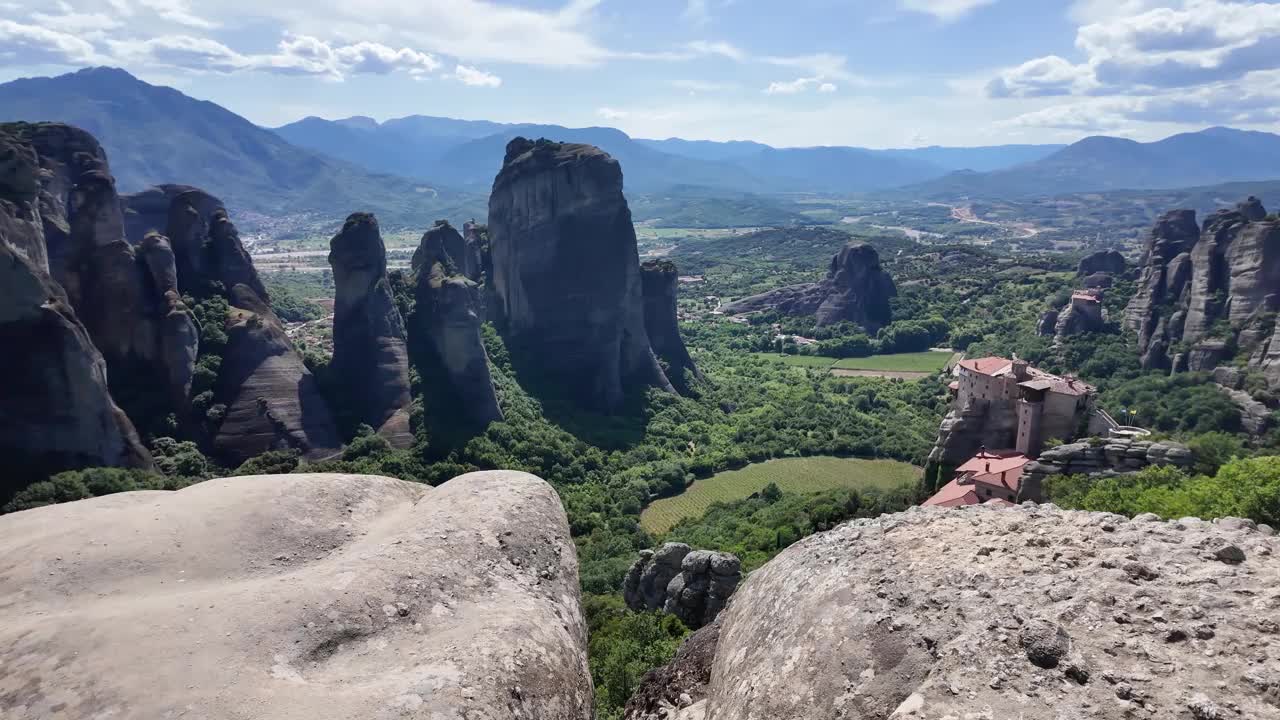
(177, 11)
(827, 87)
(37, 44)
(702, 86)
(68, 20)
(945, 10)
(377, 59)
(476, 78)
(1051, 75)
(792, 87)
(826, 65)
(723, 49)
(611, 114)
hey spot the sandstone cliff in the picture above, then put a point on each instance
(370, 355)
(660, 283)
(1207, 295)
(1032, 613)
(272, 401)
(1110, 262)
(856, 290)
(452, 361)
(296, 597)
(56, 412)
(566, 272)
(135, 319)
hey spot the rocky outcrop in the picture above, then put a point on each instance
(271, 400)
(1047, 326)
(1109, 262)
(122, 294)
(370, 354)
(1082, 315)
(566, 273)
(660, 282)
(1255, 416)
(296, 596)
(1026, 612)
(677, 690)
(856, 290)
(1210, 293)
(56, 412)
(1114, 456)
(693, 585)
(967, 428)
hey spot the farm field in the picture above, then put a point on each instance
(905, 365)
(803, 475)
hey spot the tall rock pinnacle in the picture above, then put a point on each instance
(660, 281)
(370, 355)
(566, 272)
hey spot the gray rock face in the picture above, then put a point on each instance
(660, 282)
(856, 290)
(566, 272)
(272, 401)
(447, 321)
(1113, 457)
(1015, 613)
(677, 690)
(977, 424)
(56, 412)
(1103, 261)
(693, 585)
(1255, 416)
(370, 354)
(1080, 317)
(293, 597)
(1216, 291)
(1047, 326)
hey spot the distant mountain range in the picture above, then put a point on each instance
(158, 135)
(426, 167)
(1098, 164)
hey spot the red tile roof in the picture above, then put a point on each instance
(953, 494)
(987, 365)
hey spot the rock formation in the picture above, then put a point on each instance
(671, 691)
(135, 318)
(296, 596)
(446, 326)
(856, 290)
(370, 356)
(56, 412)
(1110, 262)
(1115, 456)
(1047, 326)
(693, 585)
(1027, 612)
(272, 401)
(660, 282)
(1083, 314)
(1208, 294)
(566, 272)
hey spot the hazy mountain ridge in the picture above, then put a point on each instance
(158, 135)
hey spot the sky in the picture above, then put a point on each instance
(871, 73)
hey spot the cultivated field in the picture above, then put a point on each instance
(813, 474)
(911, 366)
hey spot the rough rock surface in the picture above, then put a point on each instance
(693, 585)
(566, 272)
(1110, 262)
(677, 690)
(56, 412)
(272, 401)
(660, 283)
(1047, 326)
(856, 290)
(1080, 317)
(462, 250)
(141, 328)
(1255, 416)
(1214, 290)
(370, 353)
(1111, 457)
(446, 326)
(293, 597)
(966, 428)
(1028, 612)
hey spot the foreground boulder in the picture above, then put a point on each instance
(856, 290)
(56, 412)
(566, 272)
(1033, 613)
(370, 354)
(299, 596)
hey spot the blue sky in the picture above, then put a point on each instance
(876, 73)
